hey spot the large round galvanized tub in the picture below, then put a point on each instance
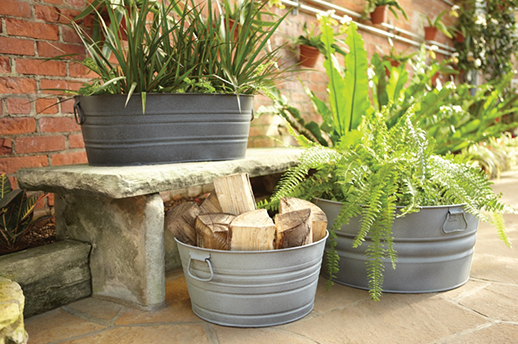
(434, 246)
(252, 288)
(175, 128)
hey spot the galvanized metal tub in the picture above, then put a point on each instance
(252, 288)
(175, 128)
(434, 246)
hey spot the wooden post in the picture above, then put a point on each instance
(252, 231)
(180, 221)
(318, 217)
(235, 194)
(212, 230)
(293, 229)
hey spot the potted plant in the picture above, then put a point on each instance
(379, 177)
(434, 25)
(310, 46)
(178, 87)
(378, 10)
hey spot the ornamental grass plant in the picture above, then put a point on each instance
(178, 46)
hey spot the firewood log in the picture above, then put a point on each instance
(293, 229)
(211, 204)
(212, 230)
(235, 194)
(180, 221)
(318, 217)
(252, 231)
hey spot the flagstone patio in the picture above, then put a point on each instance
(484, 310)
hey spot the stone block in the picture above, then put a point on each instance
(127, 237)
(50, 276)
(12, 302)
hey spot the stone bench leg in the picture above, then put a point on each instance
(127, 258)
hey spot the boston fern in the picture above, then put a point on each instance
(380, 169)
(372, 166)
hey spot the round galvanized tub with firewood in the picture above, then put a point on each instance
(252, 288)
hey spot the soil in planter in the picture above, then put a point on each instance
(43, 233)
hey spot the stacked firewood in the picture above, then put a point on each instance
(228, 219)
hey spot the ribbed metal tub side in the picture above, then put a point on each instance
(175, 128)
(435, 248)
(252, 288)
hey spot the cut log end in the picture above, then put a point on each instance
(180, 221)
(252, 231)
(212, 230)
(318, 217)
(293, 229)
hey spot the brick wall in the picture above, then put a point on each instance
(37, 129)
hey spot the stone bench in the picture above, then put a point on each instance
(119, 211)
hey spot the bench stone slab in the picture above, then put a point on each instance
(130, 181)
(119, 211)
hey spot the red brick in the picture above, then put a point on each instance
(46, 106)
(69, 159)
(10, 126)
(5, 66)
(39, 144)
(40, 67)
(11, 165)
(15, 8)
(6, 146)
(70, 35)
(50, 200)
(14, 182)
(76, 3)
(47, 13)
(18, 106)
(48, 86)
(10, 45)
(67, 106)
(78, 70)
(19, 27)
(54, 14)
(10, 85)
(76, 141)
(57, 49)
(54, 2)
(58, 125)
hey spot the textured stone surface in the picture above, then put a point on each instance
(127, 258)
(120, 182)
(12, 328)
(51, 275)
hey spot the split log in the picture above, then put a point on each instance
(293, 229)
(211, 204)
(252, 231)
(181, 219)
(235, 194)
(318, 217)
(212, 230)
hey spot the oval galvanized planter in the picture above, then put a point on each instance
(252, 288)
(434, 247)
(175, 128)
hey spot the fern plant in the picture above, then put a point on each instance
(374, 165)
(380, 169)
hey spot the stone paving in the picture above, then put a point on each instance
(484, 310)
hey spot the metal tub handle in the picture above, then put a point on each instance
(455, 221)
(203, 258)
